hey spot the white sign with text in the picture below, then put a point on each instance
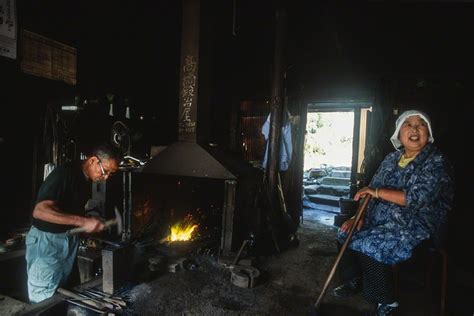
(8, 28)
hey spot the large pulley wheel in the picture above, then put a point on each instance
(120, 137)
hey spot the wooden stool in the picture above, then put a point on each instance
(435, 254)
(432, 255)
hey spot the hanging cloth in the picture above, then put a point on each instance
(286, 145)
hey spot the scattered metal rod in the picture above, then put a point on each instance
(107, 304)
(113, 296)
(107, 298)
(123, 289)
(98, 292)
(92, 293)
(88, 307)
(117, 303)
(115, 306)
(110, 302)
(116, 298)
(90, 302)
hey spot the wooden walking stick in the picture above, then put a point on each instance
(358, 217)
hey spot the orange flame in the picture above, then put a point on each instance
(182, 231)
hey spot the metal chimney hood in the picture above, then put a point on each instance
(186, 157)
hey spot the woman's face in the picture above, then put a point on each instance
(414, 134)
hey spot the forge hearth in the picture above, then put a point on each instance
(154, 205)
(185, 248)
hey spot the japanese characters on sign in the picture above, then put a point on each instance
(188, 95)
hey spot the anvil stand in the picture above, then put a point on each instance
(116, 264)
(127, 205)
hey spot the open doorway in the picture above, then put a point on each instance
(333, 153)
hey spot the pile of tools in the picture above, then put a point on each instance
(95, 300)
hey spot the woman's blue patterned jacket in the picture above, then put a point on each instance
(390, 232)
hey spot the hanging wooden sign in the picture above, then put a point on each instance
(47, 58)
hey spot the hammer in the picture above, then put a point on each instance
(111, 222)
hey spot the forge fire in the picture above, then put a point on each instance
(183, 231)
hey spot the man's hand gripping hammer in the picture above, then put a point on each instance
(109, 223)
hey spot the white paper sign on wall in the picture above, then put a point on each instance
(8, 29)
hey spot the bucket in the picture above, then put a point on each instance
(348, 206)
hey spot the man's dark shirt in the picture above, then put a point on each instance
(68, 187)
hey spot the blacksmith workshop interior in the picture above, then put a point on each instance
(246, 129)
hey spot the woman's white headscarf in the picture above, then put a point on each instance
(395, 141)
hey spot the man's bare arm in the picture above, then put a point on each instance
(49, 211)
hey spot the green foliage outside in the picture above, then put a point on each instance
(328, 139)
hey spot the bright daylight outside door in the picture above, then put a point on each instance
(328, 156)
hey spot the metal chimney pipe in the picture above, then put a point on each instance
(188, 92)
(276, 102)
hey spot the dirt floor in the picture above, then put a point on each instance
(289, 284)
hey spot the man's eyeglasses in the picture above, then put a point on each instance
(102, 170)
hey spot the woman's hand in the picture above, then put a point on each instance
(363, 192)
(391, 195)
(348, 224)
(360, 194)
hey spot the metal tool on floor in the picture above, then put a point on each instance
(85, 300)
(246, 277)
(116, 301)
(314, 309)
(237, 257)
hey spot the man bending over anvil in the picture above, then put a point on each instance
(50, 251)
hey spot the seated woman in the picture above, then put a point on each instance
(412, 191)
